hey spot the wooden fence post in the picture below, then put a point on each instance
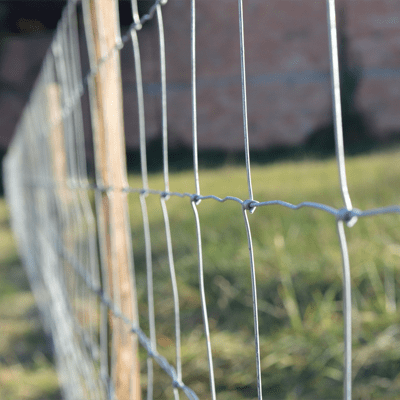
(105, 90)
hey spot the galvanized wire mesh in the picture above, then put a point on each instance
(61, 241)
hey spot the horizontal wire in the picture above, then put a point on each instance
(342, 214)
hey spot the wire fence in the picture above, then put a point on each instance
(74, 233)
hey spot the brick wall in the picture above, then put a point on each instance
(287, 71)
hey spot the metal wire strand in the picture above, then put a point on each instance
(194, 97)
(255, 305)
(150, 294)
(135, 14)
(141, 111)
(342, 214)
(174, 293)
(337, 110)
(146, 227)
(347, 384)
(92, 262)
(336, 100)
(203, 300)
(81, 205)
(244, 100)
(164, 198)
(164, 126)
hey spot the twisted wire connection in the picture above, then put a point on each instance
(342, 214)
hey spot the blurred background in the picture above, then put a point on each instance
(290, 120)
(288, 77)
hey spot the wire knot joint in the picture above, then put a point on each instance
(144, 192)
(165, 195)
(348, 216)
(176, 384)
(195, 198)
(249, 205)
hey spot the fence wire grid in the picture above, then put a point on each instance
(67, 243)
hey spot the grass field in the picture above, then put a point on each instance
(298, 266)
(26, 368)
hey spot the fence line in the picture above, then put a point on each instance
(80, 262)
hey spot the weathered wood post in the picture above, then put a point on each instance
(105, 90)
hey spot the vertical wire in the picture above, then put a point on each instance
(175, 295)
(203, 301)
(61, 206)
(141, 115)
(244, 100)
(116, 331)
(69, 135)
(76, 74)
(56, 302)
(76, 149)
(73, 204)
(163, 96)
(255, 305)
(91, 250)
(194, 202)
(135, 15)
(197, 189)
(37, 126)
(142, 130)
(82, 168)
(104, 367)
(31, 173)
(49, 73)
(65, 70)
(347, 384)
(194, 97)
(337, 108)
(336, 99)
(60, 333)
(133, 285)
(164, 198)
(65, 78)
(146, 227)
(150, 294)
(64, 98)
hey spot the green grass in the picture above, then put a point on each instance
(26, 366)
(298, 267)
